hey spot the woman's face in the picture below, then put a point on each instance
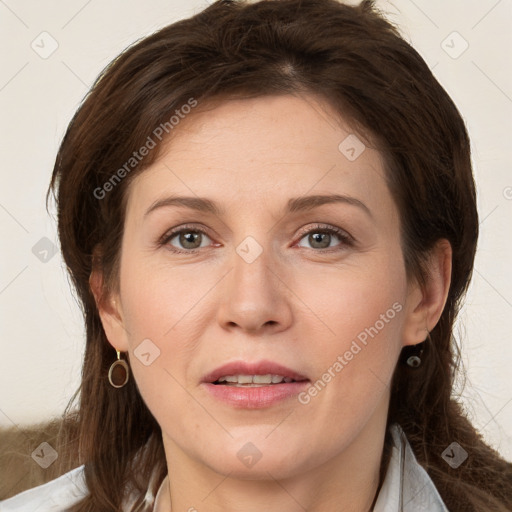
(267, 282)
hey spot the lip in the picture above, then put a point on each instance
(254, 397)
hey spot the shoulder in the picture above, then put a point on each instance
(54, 496)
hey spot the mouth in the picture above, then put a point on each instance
(261, 373)
(254, 385)
(253, 381)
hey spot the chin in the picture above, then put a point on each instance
(247, 462)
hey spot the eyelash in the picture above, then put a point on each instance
(344, 237)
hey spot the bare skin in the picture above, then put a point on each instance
(302, 302)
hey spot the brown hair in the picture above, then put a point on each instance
(358, 62)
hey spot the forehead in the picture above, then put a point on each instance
(261, 151)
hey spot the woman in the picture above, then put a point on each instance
(268, 212)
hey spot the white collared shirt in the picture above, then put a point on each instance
(406, 487)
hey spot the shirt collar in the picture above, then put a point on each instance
(407, 487)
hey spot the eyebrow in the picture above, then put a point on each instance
(294, 205)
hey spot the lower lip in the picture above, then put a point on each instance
(255, 397)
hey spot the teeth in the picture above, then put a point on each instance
(254, 379)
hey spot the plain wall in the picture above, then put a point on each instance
(41, 331)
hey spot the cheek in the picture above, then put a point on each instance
(360, 304)
(162, 326)
(153, 310)
(157, 298)
(355, 359)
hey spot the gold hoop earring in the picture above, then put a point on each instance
(119, 372)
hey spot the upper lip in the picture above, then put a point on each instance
(255, 368)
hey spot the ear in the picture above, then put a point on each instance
(425, 304)
(110, 311)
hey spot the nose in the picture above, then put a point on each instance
(255, 295)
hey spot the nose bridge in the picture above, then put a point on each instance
(253, 247)
(253, 261)
(253, 295)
